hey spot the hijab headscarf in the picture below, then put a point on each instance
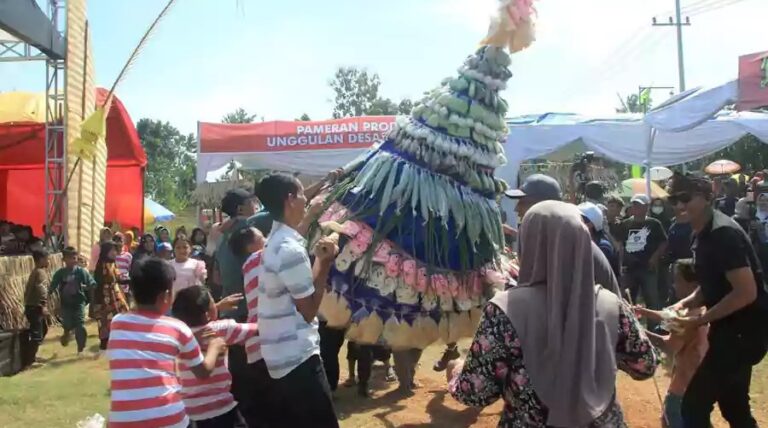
(567, 326)
(130, 241)
(106, 271)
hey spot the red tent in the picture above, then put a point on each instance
(22, 170)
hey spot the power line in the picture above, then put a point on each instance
(712, 6)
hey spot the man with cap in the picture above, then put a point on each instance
(250, 384)
(732, 288)
(538, 188)
(595, 221)
(643, 242)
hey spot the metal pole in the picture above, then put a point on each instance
(680, 60)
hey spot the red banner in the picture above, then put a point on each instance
(753, 81)
(282, 136)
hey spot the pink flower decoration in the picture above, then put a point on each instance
(393, 265)
(453, 285)
(382, 252)
(520, 380)
(365, 234)
(339, 213)
(485, 345)
(440, 284)
(409, 272)
(357, 248)
(501, 370)
(330, 212)
(421, 280)
(477, 382)
(477, 285)
(350, 228)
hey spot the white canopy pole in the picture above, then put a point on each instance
(648, 162)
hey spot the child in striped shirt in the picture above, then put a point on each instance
(144, 347)
(209, 402)
(247, 244)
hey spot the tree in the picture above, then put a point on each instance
(304, 118)
(748, 152)
(632, 104)
(357, 94)
(356, 91)
(382, 107)
(405, 106)
(170, 174)
(239, 116)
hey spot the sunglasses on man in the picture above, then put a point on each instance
(681, 197)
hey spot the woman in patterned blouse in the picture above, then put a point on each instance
(551, 346)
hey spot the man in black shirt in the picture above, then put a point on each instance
(731, 287)
(644, 240)
(727, 204)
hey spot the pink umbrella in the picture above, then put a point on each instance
(722, 166)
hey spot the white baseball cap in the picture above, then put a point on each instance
(593, 213)
(641, 199)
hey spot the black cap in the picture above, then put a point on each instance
(539, 186)
(233, 200)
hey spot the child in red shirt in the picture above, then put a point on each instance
(144, 347)
(209, 402)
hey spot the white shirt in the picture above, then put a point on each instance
(189, 273)
(285, 275)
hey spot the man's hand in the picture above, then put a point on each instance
(217, 345)
(327, 248)
(509, 230)
(229, 303)
(685, 324)
(334, 175)
(315, 208)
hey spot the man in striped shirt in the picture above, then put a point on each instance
(143, 349)
(209, 401)
(289, 294)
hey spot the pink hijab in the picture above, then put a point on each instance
(568, 326)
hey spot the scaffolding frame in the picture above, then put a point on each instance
(55, 136)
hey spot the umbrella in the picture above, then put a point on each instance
(722, 166)
(635, 186)
(154, 212)
(660, 173)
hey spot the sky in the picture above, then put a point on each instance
(275, 58)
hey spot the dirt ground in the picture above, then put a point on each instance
(433, 407)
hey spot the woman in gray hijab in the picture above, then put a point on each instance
(551, 346)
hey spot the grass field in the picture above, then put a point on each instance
(67, 390)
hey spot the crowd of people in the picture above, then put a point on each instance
(221, 327)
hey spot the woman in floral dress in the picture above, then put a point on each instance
(551, 346)
(109, 299)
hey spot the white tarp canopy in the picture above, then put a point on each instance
(686, 127)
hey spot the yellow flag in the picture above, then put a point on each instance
(93, 130)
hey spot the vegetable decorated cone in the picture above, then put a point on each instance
(418, 218)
